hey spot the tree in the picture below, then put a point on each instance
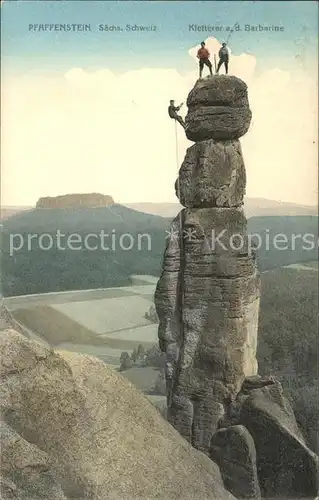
(151, 314)
(134, 355)
(126, 362)
(155, 357)
(287, 341)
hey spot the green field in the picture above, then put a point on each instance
(143, 378)
(57, 328)
(54, 326)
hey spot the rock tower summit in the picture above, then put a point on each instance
(207, 297)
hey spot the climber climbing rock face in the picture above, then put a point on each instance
(203, 55)
(172, 111)
(223, 58)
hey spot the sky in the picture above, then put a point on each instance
(86, 111)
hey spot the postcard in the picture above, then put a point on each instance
(159, 250)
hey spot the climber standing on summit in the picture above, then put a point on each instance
(223, 58)
(203, 55)
(172, 111)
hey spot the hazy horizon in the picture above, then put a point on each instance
(87, 112)
(149, 202)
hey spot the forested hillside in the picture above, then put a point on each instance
(36, 259)
(288, 341)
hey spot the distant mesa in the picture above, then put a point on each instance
(76, 200)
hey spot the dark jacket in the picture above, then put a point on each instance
(223, 53)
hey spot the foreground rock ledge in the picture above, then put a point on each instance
(74, 428)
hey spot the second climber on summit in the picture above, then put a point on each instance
(172, 111)
(203, 55)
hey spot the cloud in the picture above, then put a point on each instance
(100, 131)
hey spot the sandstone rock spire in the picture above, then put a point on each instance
(207, 298)
(207, 301)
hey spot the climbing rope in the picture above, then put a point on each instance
(180, 290)
(178, 187)
(181, 218)
(176, 148)
(177, 181)
(180, 285)
(177, 159)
